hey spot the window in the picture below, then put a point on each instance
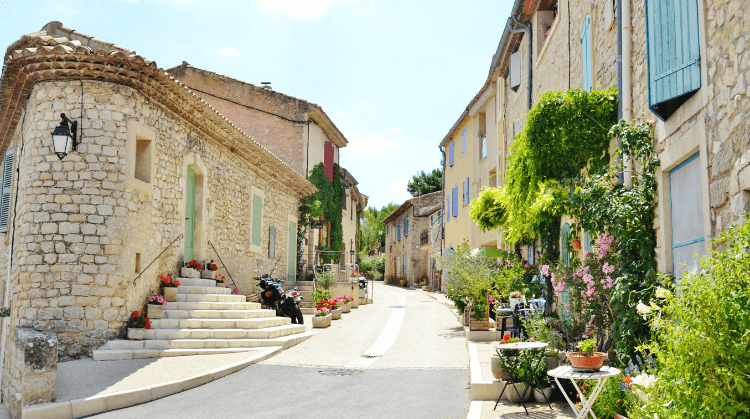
(398, 229)
(257, 221)
(138, 267)
(586, 53)
(517, 127)
(272, 242)
(292, 256)
(463, 141)
(466, 191)
(143, 160)
(482, 135)
(448, 208)
(610, 13)
(423, 237)
(493, 178)
(6, 188)
(406, 226)
(674, 55)
(431, 221)
(455, 201)
(403, 263)
(515, 70)
(440, 214)
(450, 154)
(686, 202)
(587, 243)
(530, 257)
(565, 244)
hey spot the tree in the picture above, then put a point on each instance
(371, 227)
(426, 182)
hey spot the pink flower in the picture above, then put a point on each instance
(545, 270)
(525, 265)
(588, 278)
(607, 268)
(606, 282)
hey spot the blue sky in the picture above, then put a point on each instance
(393, 75)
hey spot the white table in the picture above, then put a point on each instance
(566, 371)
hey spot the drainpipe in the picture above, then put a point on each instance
(442, 205)
(526, 29)
(627, 88)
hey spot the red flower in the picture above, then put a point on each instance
(161, 276)
(135, 314)
(166, 281)
(502, 342)
(143, 312)
(506, 336)
(177, 283)
(148, 326)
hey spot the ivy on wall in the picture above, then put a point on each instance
(328, 202)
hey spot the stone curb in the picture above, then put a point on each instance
(112, 401)
(480, 388)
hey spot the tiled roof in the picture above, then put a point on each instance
(425, 210)
(57, 52)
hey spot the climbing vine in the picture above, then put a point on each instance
(328, 202)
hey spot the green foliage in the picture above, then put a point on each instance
(612, 399)
(328, 202)
(426, 182)
(487, 209)
(538, 327)
(371, 232)
(320, 295)
(587, 347)
(326, 280)
(373, 269)
(627, 214)
(702, 338)
(471, 278)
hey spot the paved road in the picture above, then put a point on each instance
(404, 356)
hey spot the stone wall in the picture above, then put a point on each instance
(81, 221)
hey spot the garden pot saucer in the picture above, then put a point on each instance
(576, 369)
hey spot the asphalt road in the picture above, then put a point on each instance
(415, 366)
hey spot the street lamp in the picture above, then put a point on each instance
(63, 139)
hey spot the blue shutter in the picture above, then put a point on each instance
(587, 247)
(466, 191)
(450, 154)
(673, 51)
(564, 250)
(455, 201)
(586, 53)
(6, 187)
(406, 227)
(463, 141)
(398, 229)
(448, 208)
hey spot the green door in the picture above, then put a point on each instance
(190, 216)
(292, 269)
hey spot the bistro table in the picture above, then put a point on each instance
(513, 369)
(567, 372)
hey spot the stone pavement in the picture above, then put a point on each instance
(506, 410)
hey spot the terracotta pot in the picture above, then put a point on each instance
(154, 311)
(593, 362)
(170, 293)
(576, 245)
(402, 282)
(539, 397)
(337, 313)
(619, 416)
(136, 333)
(320, 322)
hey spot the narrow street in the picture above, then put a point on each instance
(404, 356)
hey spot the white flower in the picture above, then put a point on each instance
(662, 293)
(643, 309)
(645, 380)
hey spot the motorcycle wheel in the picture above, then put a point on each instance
(297, 316)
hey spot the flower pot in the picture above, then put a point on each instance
(347, 308)
(208, 274)
(336, 313)
(523, 390)
(497, 371)
(587, 363)
(514, 301)
(188, 273)
(170, 293)
(321, 321)
(355, 303)
(154, 311)
(136, 333)
(576, 245)
(619, 416)
(402, 282)
(541, 393)
(552, 362)
(483, 324)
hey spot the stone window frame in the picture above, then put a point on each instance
(254, 248)
(543, 49)
(693, 141)
(136, 132)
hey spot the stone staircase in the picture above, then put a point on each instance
(305, 288)
(207, 319)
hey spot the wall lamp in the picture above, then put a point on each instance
(64, 137)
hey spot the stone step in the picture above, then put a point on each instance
(257, 323)
(210, 298)
(188, 289)
(125, 354)
(203, 343)
(190, 282)
(208, 305)
(218, 314)
(307, 310)
(267, 333)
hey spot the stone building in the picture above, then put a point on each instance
(694, 88)
(354, 203)
(299, 132)
(409, 251)
(156, 169)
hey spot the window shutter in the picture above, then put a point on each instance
(587, 242)
(686, 201)
(673, 53)
(292, 268)
(257, 219)
(463, 141)
(6, 187)
(398, 227)
(564, 238)
(455, 201)
(328, 160)
(448, 208)
(586, 54)
(406, 227)
(272, 242)
(466, 191)
(450, 154)
(515, 69)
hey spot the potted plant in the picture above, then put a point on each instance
(543, 394)
(137, 325)
(220, 280)
(576, 244)
(515, 297)
(321, 317)
(320, 296)
(155, 306)
(499, 364)
(402, 282)
(169, 287)
(335, 309)
(210, 268)
(347, 303)
(587, 359)
(326, 280)
(190, 270)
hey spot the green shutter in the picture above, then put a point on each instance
(272, 242)
(190, 215)
(586, 54)
(292, 269)
(6, 187)
(257, 219)
(673, 53)
(564, 239)
(587, 247)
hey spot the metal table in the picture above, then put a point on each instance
(566, 371)
(512, 371)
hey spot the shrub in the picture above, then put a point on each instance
(702, 337)
(326, 280)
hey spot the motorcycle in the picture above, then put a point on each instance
(285, 303)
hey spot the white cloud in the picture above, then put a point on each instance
(398, 185)
(300, 9)
(339, 112)
(396, 130)
(359, 143)
(228, 51)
